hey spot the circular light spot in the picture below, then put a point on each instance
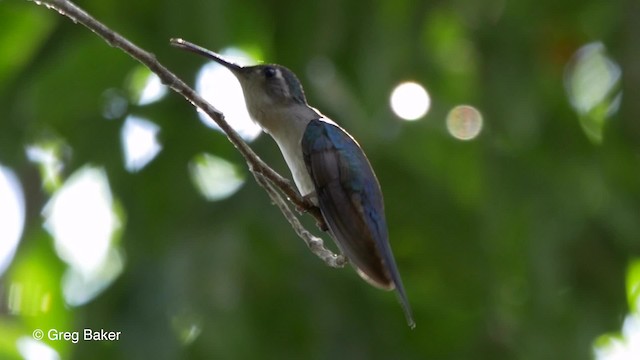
(410, 101)
(464, 122)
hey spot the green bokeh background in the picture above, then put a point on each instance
(511, 246)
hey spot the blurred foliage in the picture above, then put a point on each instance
(512, 246)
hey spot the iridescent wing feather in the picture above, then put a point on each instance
(351, 202)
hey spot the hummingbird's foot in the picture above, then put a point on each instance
(322, 225)
(307, 203)
(312, 201)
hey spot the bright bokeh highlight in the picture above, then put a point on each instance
(590, 77)
(140, 143)
(12, 212)
(624, 346)
(81, 219)
(464, 122)
(144, 87)
(48, 156)
(215, 177)
(592, 81)
(410, 101)
(79, 288)
(152, 91)
(220, 88)
(31, 349)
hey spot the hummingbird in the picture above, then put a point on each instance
(328, 167)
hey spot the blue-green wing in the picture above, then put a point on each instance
(351, 202)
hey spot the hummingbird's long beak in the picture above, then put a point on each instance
(185, 45)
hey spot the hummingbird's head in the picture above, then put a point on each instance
(267, 88)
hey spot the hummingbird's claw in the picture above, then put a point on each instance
(311, 202)
(322, 226)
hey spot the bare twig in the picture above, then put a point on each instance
(315, 244)
(265, 176)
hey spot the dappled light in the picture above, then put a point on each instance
(626, 347)
(12, 211)
(81, 218)
(219, 86)
(139, 142)
(464, 122)
(410, 101)
(31, 349)
(80, 287)
(48, 155)
(626, 344)
(214, 177)
(592, 82)
(150, 88)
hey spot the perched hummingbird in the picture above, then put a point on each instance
(327, 164)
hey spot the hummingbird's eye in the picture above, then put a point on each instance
(269, 72)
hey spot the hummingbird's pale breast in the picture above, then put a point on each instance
(287, 126)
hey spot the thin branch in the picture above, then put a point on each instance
(315, 244)
(265, 176)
